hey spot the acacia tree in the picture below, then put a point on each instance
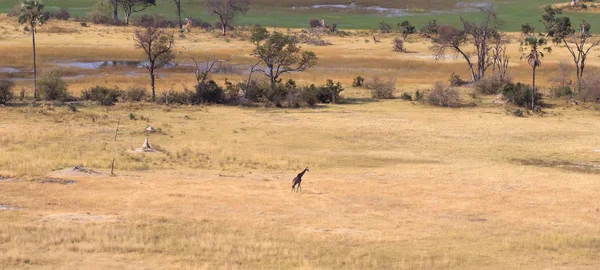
(226, 10)
(481, 33)
(534, 60)
(578, 42)
(157, 45)
(280, 54)
(32, 13)
(133, 6)
(450, 38)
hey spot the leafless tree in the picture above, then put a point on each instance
(202, 74)
(132, 6)
(580, 44)
(481, 33)
(226, 10)
(499, 59)
(157, 45)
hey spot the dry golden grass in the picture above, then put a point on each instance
(393, 185)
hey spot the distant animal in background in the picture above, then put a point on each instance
(298, 181)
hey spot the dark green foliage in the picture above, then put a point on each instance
(405, 28)
(527, 29)
(419, 95)
(134, 94)
(6, 93)
(309, 95)
(520, 94)
(558, 27)
(208, 92)
(406, 96)
(489, 86)
(455, 80)
(330, 92)
(385, 27)
(103, 95)
(358, 81)
(562, 91)
(52, 87)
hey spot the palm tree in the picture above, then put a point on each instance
(32, 14)
(534, 60)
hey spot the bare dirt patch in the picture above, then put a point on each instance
(581, 167)
(76, 171)
(7, 207)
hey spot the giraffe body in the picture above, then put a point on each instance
(298, 181)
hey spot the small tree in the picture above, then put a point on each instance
(405, 28)
(429, 30)
(226, 10)
(32, 13)
(527, 29)
(280, 54)
(450, 38)
(385, 27)
(534, 60)
(133, 6)
(157, 45)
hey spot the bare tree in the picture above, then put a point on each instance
(202, 74)
(481, 33)
(280, 54)
(500, 60)
(450, 38)
(226, 10)
(157, 45)
(561, 77)
(32, 13)
(132, 6)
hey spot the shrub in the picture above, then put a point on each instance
(254, 92)
(61, 14)
(406, 96)
(103, 95)
(6, 93)
(419, 95)
(330, 92)
(52, 87)
(381, 89)
(309, 95)
(385, 27)
(314, 23)
(429, 30)
(208, 92)
(520, 94)
(294, 98)
(590, 88)
(175, 97)
(358, 81)
(134, 94)
(456, 80)
(527, 29)
(562, 91)
(489, 86)
(405, 28)
(15, 11)
(398, 45)
(155, 20)
(441, 95)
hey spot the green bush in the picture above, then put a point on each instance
(330, 92)
(406, 96)
(489, 86)
(381, 89)
(562, 91)
(385, 27)
(443, 96)
(103, 95)
(520, 94)
(52, 87)
(309, 95)
(358, 81)
(134, 94)
(6, 93)
(208, 92)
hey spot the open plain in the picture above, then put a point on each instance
(392, 184)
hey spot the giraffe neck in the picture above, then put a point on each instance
(302, 173)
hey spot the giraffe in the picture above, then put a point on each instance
(187, 25)
(298, 181)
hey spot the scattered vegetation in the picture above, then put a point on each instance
(380, 88)
(6, 93)
(53, 87)
(103, 95)
(358, 81)
(441, 95)
(520, 94)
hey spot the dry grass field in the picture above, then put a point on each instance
(392, 184)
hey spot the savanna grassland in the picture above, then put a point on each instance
(392, 184)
